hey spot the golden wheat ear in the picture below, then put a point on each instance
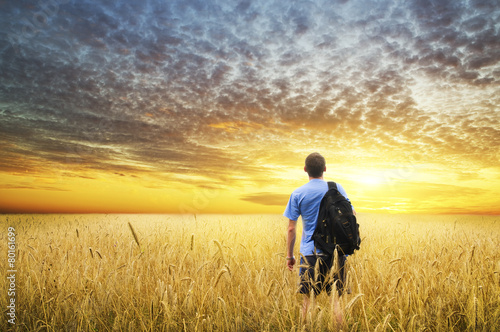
(134, 234)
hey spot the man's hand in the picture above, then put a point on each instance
(290, 262)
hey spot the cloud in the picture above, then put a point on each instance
(189, 87)
(33, 187)
(266, 198)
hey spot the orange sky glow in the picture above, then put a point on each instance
(213, 107)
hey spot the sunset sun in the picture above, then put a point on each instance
(371, 180)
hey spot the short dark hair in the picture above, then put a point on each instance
(315, 165)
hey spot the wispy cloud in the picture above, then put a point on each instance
(267, 198)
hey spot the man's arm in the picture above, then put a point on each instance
(342, 191)
(290, 243)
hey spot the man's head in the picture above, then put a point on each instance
(315, 165)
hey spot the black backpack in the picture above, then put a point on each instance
(336, 226)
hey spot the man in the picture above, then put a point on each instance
(305, 202)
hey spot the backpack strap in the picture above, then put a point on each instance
(332, 185)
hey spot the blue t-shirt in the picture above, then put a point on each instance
(304, 201)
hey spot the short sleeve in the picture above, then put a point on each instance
(292, 210)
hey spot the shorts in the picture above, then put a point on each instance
(323, 281)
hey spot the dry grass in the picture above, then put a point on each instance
(227, 273)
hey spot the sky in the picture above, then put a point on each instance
(212, 106)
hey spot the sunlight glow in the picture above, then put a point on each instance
(371, 180)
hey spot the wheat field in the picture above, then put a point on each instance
(227, 273)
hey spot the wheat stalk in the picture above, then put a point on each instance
(134, 235)
(221, 272)
(220, 249)
(353, 301)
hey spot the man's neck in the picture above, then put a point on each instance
(320, 178)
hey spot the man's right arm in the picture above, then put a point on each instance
(290, 243)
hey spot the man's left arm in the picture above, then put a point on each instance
(342, 191)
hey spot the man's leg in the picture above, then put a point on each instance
(338, 315)
(305, 308)
(306, 274)
(340, 275)
(339, 281)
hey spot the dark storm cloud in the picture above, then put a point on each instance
(137, 86)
